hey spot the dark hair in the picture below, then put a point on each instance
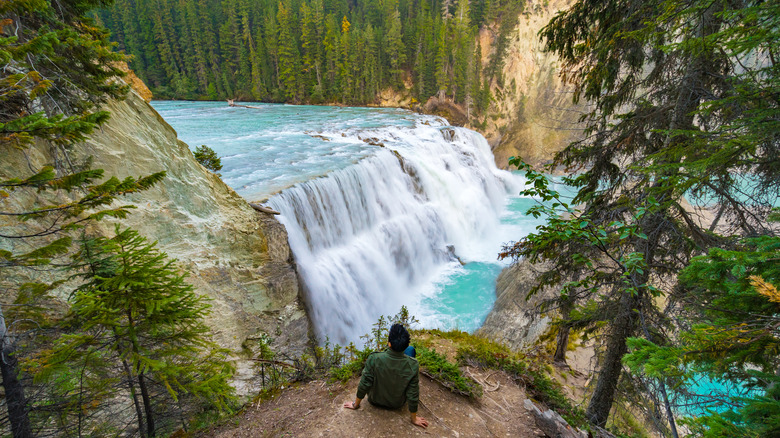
(398, 337)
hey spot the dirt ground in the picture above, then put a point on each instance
(314, 409)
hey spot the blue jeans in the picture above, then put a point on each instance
(410, 351)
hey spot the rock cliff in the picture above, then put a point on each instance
(235, 255)
(515, 320)
(533, 115)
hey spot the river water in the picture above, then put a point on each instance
(383, 207)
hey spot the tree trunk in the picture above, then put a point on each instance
(138, 413)
(623, 326)
(561, 345)
(147, 405)
(141, 381)
(16, 402)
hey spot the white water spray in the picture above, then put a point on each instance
(368, 237)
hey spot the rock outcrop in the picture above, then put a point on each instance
(533, 116)
(515, 320)
(236, 256)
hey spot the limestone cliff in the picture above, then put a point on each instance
(533, 116)
(515, 320)
(238, 257)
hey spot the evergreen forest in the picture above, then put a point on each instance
(667, 258)
(312, 51)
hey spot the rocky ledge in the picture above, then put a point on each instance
(236, 256)
(516, 319)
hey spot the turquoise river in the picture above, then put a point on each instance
(384, 207)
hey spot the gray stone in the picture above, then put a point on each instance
(515, 319)
(234, 255)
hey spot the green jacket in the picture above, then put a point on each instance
(390, 379)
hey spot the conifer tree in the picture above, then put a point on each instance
(58, 70)
(309, 44)
(732, 306)
(675, 120)
(346, 77)
(331, 43)
(394, 48)
(182, 47)
(442, 58)
(136, 314)
(289, 56)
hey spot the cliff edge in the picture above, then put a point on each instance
(234, 255)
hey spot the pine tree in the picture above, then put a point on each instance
(675, 118)
(331, 43)
(289, 56)
(394, 47)
(346, 76)
(271, 40)
(58, 70)
(732, 305)
(137, 314)
(309, 44)
(238, 45)
(441, 62)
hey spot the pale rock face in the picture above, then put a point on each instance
(237, 257)
(513, 320)
(533, 116)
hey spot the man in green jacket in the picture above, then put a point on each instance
(391, 378)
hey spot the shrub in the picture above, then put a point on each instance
(208, 158)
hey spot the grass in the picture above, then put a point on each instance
(447, 373)
(530, 372)
(342, 363)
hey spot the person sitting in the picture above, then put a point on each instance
(391, 378)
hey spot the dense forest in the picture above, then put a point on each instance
(312, 51)
(667, 258)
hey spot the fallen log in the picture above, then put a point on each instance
(263, 209)
(231, 103)
(552, 424)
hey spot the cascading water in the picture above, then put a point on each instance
(370, 226)
(368, 237)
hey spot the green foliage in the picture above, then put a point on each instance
(440, 369)
(733, 305)
(675, 125)
(208, 158)
(135, 313)
(58, 69)
(310, 51)
(527, 371)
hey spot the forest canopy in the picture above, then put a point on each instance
(311, 51)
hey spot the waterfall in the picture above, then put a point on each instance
(366, 238)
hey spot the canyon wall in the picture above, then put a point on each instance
(533, 115)
(234, 255)
(516, 319)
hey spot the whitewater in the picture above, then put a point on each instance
(383, 207)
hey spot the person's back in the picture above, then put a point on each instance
(391, 378)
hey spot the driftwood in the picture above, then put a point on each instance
(552, 424)
(263, 209)
(233, 104)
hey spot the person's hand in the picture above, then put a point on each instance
(350, 405)
(420, 421)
